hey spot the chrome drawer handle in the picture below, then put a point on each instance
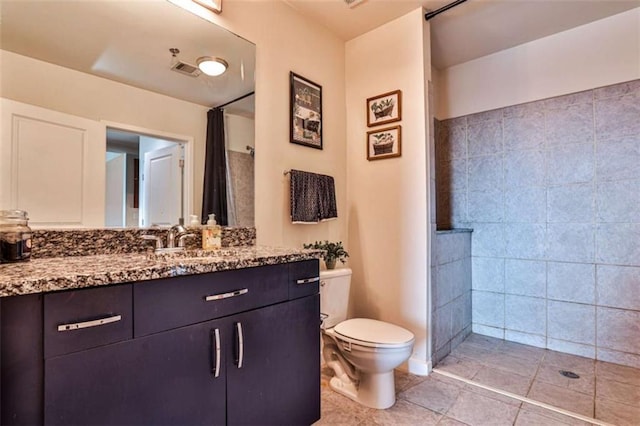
(240, 344)
(88, 324)
(308, 280)
(226, 295)
(216, 351)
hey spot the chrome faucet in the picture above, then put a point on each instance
(158, 240)
(176, 233)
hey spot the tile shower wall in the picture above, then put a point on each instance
(450, 291)
(552, 191)
(242, 177)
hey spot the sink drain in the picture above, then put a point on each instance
(569, 374)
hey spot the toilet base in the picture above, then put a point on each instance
(373, 390)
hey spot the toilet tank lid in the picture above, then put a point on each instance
(333, 273)
(374, 331)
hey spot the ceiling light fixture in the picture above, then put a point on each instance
(212, 66)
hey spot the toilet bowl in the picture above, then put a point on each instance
(362, 352)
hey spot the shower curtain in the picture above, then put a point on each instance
(214, 197)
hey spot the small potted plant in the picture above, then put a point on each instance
(332, 252)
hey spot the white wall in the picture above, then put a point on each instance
(240, 132)
(601, 53)
(286, 41)
(387, 199)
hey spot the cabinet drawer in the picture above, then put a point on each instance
(175, 302)
(82, 319)
(304, 278)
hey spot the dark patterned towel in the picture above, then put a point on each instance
(313, 197)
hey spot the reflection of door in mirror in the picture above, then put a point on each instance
(162, 183)
(52, 165)
(158, 164)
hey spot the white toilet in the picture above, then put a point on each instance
(362, 352)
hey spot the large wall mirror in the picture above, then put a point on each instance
(104, 112)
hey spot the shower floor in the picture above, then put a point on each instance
(488, 381)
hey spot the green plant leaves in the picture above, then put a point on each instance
(332, 251)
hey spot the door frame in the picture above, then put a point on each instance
(188, 141)
(123, 187)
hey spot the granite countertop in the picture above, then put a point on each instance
(64, 273)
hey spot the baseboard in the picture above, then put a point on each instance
(419, 367)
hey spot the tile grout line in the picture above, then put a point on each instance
(538, 366)
(524, 399)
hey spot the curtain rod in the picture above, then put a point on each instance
(444, 8)
(236, 100)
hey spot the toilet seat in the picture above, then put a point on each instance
(373, 333)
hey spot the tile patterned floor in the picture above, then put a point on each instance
(607, 392)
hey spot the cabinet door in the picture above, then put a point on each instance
(21, 366)
(162, 379)
(278, 380)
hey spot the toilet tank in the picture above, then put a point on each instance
(334, 295)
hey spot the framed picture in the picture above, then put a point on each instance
(306, 112)
(384, 143)
(385, 108)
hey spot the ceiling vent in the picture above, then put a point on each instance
(353, 3)
(186, 69)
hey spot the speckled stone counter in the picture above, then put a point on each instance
(64, 273)
(85, 242)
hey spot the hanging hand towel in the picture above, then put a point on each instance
(327, 198)
(312, 197)
(304, 197)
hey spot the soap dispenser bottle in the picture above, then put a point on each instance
(211, 234)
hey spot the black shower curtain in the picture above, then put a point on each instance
(214, 197)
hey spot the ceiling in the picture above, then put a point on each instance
(470, 30)
(129, 42)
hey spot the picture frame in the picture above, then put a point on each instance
(384, 109)
(305, 127)
(384, 143)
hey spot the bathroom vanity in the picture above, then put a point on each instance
(203, 340)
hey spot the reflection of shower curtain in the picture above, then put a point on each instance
(214, 197)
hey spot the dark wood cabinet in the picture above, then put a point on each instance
(174, 357)
(163, 379)
(22, 367)
(278, 382)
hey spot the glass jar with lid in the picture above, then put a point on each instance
(15, 236)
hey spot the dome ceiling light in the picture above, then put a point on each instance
(212, 66)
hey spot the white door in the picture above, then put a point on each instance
(116, 191)
(52, 165)
(162, 181)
